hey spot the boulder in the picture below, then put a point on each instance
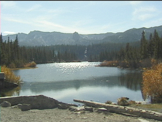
(5, 104)
(25, 107)
(36, 102)
(123, 101)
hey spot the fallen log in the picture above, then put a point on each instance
(123, 109)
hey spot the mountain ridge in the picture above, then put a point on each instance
(40, 38)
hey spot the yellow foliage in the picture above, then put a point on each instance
(10, 76)
(154, 62)
(152, 82)
(31, 64)
(109, 63)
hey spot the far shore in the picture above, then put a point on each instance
(23, 68)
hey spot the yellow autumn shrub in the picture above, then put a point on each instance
(152, 83)
(10, 76)
(109, 63)
(30, 64)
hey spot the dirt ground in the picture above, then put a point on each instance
(10, 114)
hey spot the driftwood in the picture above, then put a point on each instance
(123, 109)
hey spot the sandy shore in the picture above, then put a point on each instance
(11, 114)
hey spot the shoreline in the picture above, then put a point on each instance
(43, 104)
(64, 115)
(23, 68)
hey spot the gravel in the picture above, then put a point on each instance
(11, 114)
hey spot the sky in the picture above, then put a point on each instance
(84, 17)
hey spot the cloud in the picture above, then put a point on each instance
(144, 13)
(16, 20)
(7, 4)
(8, 33)
(33, 8)
(145, 16)
(50, 24)
(135, 2)
(155, 22)
(83, 22)
(144, 10)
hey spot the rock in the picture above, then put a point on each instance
(123, 101)
(5, 104)
(79, 112)
(19, 106)
(102, 110)
(25, 107)
(73, 108)
(108, 102)
(62, 106)
(131, 102)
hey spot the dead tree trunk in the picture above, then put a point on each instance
(123, 109)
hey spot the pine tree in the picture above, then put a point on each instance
(16, 49)
(156, 40)
(144, 49)
(0, 50)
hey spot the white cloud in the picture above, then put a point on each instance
(16, 20)
(144, 10)
(7, 4)
(50, 24)
(144, 13)
(151, 23)
(8, 33)
(83, 22)
(33, 8)
(145, 16)
(135, 2)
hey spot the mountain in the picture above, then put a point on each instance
(132, 35)
(39, 38)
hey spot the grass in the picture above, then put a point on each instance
(153, 107)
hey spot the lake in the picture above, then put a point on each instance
(80, 80)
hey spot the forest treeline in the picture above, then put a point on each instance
(147, 53)
(135, 54)
(14, 56)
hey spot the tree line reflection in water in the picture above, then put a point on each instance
(131, 80)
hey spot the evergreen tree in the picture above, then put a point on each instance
(0, 48)
(144, 48)
(157, 49)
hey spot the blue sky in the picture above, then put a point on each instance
(84, 17)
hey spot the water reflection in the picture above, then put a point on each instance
(130, 80)
(66, 81)
(10, 92)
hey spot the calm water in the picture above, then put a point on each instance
(80, 80)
